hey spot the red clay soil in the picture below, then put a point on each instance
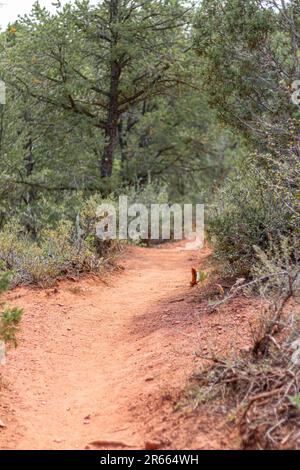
(102, 363)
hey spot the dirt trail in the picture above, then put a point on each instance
(102, 360)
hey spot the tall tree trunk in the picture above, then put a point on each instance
(123, 148)
(125, 126)
(31, 192)
(111, 131)
(111, 139)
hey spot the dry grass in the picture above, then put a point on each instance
(261, 387)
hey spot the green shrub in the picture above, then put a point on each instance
(247, 212)
(86, 226)
(9, 317)
(279, 267)
(57, 252)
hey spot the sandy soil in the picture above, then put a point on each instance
(101, 363)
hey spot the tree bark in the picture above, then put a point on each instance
(111, 139)
(125, 126)
(111, 130)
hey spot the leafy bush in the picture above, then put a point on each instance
(86, 226)
(57, 252)
(9, 317)
(247, 212)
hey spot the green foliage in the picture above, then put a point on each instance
(64, 115)
(5, 280)
(57, 252)
(246, 213)
(248, 79)
(9, 321)
(279, 267)
(87, 94)
(259, 204)
(9, 317)
(141, 107)
(248, 75)
(70, 246)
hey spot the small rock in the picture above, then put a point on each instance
(149, 379)
(58, 441)
(2, 425)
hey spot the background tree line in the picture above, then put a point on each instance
(100, 98)
(161, 97)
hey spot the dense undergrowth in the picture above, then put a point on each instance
(254, 220)
(68, 246)
(260, 388)
(56, 252)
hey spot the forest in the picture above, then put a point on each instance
(164, 101)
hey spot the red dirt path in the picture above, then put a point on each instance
(100, 363)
